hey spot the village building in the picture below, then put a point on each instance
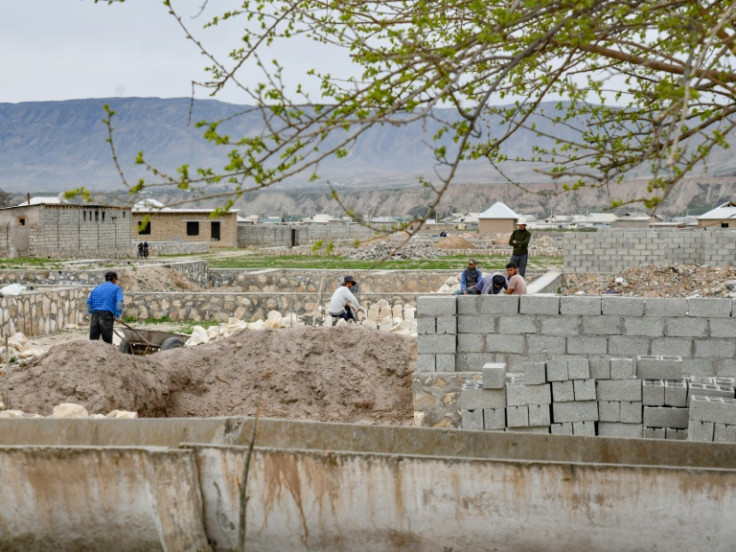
(497, 219)
(153, 222)
(723, 216)
(54, 229)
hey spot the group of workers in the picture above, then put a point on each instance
(473, 282)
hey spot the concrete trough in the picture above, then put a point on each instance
(173, 485)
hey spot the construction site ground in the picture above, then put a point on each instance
(348, 374)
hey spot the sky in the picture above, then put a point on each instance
(73, 49)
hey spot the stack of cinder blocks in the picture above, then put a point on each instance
(437, 328)
(664, 392)
(528, 400)
(484, 403)
(574, 400)
(619, 400)
(712, 409)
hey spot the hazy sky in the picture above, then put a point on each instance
(64, 49)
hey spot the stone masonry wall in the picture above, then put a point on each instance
(42, 313)
(612, 250)
(196, 271)
(370, 281)
(280, 235)
(245, 306)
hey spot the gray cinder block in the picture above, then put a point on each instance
(665, 307)
(623, 368)
(505, 343)
(626, 431)
(585, 429)
(686, 327)
(609, 411)
(561, 429)
(623, 306)
(600, 367)
(494, 418)
(572, 304)
(436, 306)
(709, 307)
(539, 415)
(535, 372)
(425, 363)
(578, 368)
(517, 416)
(586, 411)
(557, 369)
(447, 325)
(472, 419)
(530, 429)
(434, 344)
(654, 432)
(675, 393)
(535, 304)
(724, 433)
(474, 397)
(675, 434)
(519, 324)
(713, 409)
(659, 367)
(619, 390)
(631, 412)
(444, 363)
(709, 390)
(498, 304)
(665, 416)
(475, 324)
(584, 389)
(494, 375)
(653, 392)
(522, 393)
(563, 391)
(587, 345)
(700, 431)
(426, 326)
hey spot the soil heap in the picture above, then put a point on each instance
(347, 374)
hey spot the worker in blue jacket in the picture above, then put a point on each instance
(470, 280)
(105, 304)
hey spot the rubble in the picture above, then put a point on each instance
(656, 281)
(387, 250)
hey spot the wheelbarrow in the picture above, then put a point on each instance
(146, 342)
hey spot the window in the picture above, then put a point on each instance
(144, 228)
(97, 216)
(21, 221)
(103, 216)
(215, 231)
(84, 216)
(192, 229)
(724, 225)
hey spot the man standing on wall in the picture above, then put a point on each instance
(105, 304)
(520, 239)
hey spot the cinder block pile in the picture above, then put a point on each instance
(574, 402)
(620, 400)
(437, 329)
(712, 414)
(664, 391)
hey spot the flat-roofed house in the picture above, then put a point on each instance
(154, 223)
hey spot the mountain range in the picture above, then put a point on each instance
(60, 145)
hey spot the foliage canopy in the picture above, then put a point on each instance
(637, 86)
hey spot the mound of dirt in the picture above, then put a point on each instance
(454, 242)
(348, 374)
(155, 278)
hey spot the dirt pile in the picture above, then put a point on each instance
(154, 278)
(348, 374)
(657, 281)
(454, 242)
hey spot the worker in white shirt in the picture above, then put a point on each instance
(343, 301)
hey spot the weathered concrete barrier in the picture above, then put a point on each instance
(339, 487)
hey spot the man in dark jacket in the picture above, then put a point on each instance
(520, 239)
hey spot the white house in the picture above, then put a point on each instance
(497, 219)
(723, 216)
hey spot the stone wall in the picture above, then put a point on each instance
(196, 271)
(369, 281)
(42, 312)
(612, 250)
(286, 235)
(193, 306)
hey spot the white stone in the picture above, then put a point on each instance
(199, 336)
(409, 312)
(370, 324)
(341, 322)
(386, 324)
(122, 414)
(69, 410)
(11, 414)
(398, 311)
(374, 312)
(257, 325)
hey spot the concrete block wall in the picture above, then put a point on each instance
(517, 329)
(612, 250)
(281, 235)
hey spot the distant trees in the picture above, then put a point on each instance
(6, 200)
(638, 86)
